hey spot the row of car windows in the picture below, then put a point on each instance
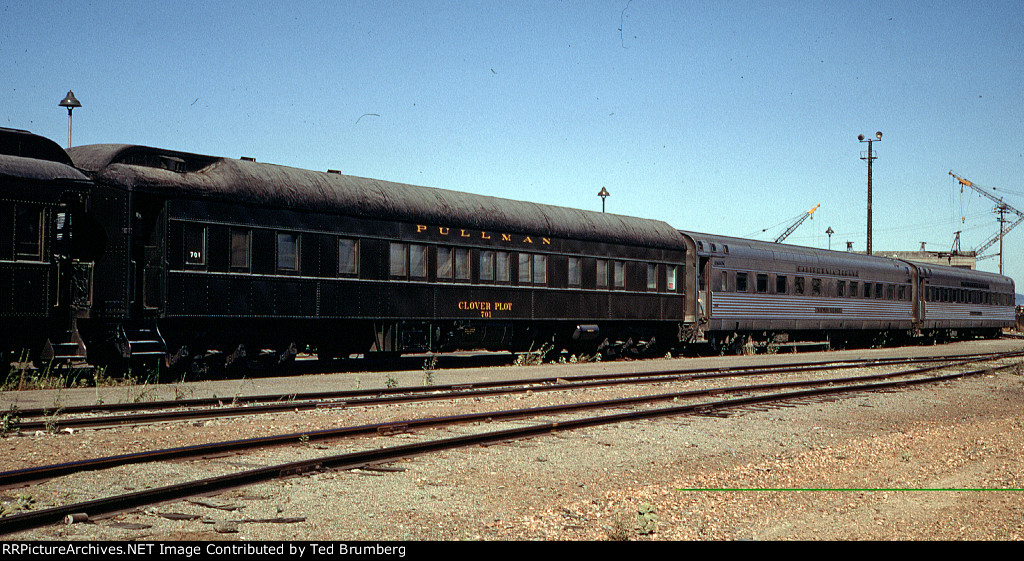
(765, 283)
(452, 264)
(410, 261)
(967, 296)
(240, 250)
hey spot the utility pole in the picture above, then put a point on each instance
(869, 158)
(1001, 208)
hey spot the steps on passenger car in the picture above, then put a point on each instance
(68, 349)
(142, 343)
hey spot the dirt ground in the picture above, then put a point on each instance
(939, 462)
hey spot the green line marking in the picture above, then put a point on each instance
(843, 489)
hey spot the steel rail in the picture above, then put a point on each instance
(344, 394)
(27, 475)
(28, 520)
(400, 395)
(315, 400)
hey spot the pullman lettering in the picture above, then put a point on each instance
(445, 231)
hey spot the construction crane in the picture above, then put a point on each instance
(799, 221)
(1002, 208)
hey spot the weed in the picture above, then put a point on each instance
(22, 376)
(390, 382)
(58, 399)
(428, 370)
(25, 502)
(182, 393)
(641, 521)
(10, 421)
(620, 530)
(100, 377)
(532, 357)
(304, 439)
(648, 519)
(430, 363)
(16, 375)
(50, 421)
(238, 392)
(134, 393)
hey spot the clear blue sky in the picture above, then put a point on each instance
(727, 117)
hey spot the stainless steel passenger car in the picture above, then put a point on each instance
(751, 289)
(965, 301)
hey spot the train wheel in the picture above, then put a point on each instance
(177, 365)
(737, 344)
(287, 356)
(236, 358)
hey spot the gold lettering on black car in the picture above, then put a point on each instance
(485, 308)
(484, 235)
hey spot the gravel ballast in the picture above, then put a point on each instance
(942, 461)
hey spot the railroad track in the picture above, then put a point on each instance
(60, 418)
(724, 398)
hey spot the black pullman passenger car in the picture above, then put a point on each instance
(232, 254)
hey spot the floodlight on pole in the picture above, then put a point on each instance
(870, 157)
(70, 102)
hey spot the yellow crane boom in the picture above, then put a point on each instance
(795, 225)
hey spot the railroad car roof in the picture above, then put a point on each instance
(17, 142)
(28, 156)
(756, 249)
(740, 248)
(242, 181)
(37, 170)
(24, 155)
(954, 276)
